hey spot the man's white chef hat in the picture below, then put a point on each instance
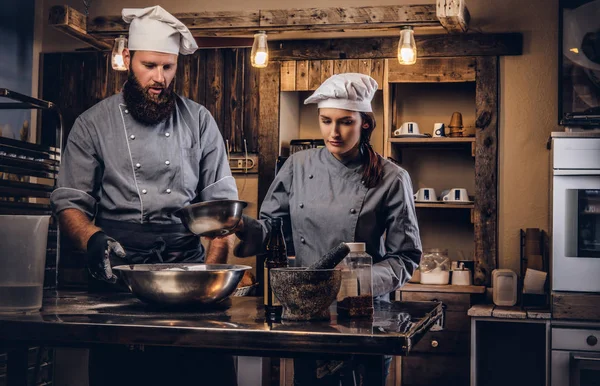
(154, 29)
(348, 91)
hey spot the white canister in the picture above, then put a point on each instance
(461, 276)
(504, 283)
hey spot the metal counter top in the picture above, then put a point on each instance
(82, 319)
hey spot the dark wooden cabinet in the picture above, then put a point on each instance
(441, 357)
(220, 79)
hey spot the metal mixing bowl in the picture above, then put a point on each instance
(181, 284)
(212, 218)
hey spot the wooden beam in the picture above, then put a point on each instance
(453, 15)
(433, 70)
(268, 127)
(428, 46)
(486, 170)
(74, 23)
(575, 306)
(416, 15)
(195, 21)
(286, 20)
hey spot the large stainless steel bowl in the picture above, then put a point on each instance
(182, 284)
(212, 218)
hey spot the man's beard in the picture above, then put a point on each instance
(143, 107)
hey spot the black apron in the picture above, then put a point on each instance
(154, 243)
(125, 366)
(147, 244)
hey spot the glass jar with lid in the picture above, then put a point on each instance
(435, 266)
(355, 298)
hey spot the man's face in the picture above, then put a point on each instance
(154, 71)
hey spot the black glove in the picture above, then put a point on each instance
(99, 248)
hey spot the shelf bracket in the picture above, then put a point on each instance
(472, 216)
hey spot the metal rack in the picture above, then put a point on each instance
(28, 175)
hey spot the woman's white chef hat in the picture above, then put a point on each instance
(154, 29)
(348, 91)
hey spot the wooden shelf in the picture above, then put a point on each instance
(436, 141)
(444, 206)
(471, 289)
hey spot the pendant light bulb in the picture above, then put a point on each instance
(118, 63)
(260, 50)
(407, 49)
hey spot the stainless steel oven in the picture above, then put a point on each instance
(575, 357)
(576, 214)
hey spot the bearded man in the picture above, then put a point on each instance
(130, 162)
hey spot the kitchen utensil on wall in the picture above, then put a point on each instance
(297, 145)
(409, 129)
(425, 195)
(456, 196)
(435, 266)
(439, 130)
(456, 125)
(504, 284)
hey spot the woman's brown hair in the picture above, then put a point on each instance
(372, 167)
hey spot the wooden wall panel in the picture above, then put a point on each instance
(233, 98)
(364, 66)
(326, 69)
(302, 75)
(251, 103)
(486, 167)
(288, 75)
(377, 69)
(340, 66)
(353, 65)
(215, 85)
(268, 135)
(314, 74)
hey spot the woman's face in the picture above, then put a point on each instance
(341, 131)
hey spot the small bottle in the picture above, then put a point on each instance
(355, 298)
(276, 258)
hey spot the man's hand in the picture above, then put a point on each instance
(218, 250)
(99, 249)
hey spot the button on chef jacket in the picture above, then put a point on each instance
(116, 168)
(323, 202)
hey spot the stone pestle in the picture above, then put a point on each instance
(331, 258)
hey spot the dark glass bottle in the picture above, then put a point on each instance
(276, 258)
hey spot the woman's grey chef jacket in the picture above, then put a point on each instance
(326, 203)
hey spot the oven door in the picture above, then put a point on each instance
(576, 230)
(585, 369)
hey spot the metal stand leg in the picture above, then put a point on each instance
(374, 370)
(16, 366)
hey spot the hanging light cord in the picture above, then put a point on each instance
(86, 4)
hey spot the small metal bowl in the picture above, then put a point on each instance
(212, 218)
(182, 284)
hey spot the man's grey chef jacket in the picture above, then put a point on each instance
(116, 168)
(326, 203)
